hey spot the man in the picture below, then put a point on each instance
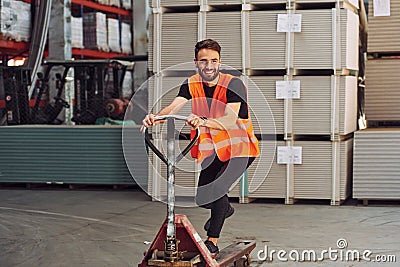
(227, 144)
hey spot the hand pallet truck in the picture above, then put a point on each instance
(177, 243)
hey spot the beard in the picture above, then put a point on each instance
(208, 77)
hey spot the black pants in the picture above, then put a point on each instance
(215, 180)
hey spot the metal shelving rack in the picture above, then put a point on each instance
(12, 48)
(101, 7)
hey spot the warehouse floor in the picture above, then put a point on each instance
(113, 228)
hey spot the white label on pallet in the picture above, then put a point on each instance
(287, 89)
(289, 155)
(283, 157)
(296, 155)
(381, 8)
(295, 23)
(289, 23)
(280, 88)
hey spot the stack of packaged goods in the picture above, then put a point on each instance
(15, 20)
(113, 35)
(376, 160)
(382, 99)
(126, 38)
(95, 31)
(104, 2)
(114, 3)
(76, 32)
(127, 4)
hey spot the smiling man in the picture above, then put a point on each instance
(227, 144)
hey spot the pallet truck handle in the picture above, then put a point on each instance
(158, 152)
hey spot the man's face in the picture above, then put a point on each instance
(207, 63)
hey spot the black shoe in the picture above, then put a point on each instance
(228, 214)
(214, 250)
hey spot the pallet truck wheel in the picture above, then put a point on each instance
(247, 260)
(243, 261)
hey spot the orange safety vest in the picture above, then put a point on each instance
(237, 142)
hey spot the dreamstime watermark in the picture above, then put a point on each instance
(339, 253)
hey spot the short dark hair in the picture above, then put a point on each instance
(207, 44)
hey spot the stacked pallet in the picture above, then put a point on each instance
(113, 35)
(15, 20)
(127, 4)
(102, 33)
(77, 32)
(95, 31)
(376, 164)
(381, 98)
(126, 38)
(299, 61)
(375, 151)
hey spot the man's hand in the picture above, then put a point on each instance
(194, 121)
(148, 120)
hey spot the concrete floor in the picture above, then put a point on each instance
(112, 228)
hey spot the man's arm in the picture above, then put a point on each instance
(227, 121)
(172, 109)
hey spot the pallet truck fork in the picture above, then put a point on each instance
(177, 244)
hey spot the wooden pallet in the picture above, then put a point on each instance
(380, 202)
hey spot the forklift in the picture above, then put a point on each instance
(98, 90)
(177, 244)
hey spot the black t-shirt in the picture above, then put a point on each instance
(236, 93)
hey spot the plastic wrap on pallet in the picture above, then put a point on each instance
(104, 2)
(126, 38)
(15, 20)
(127, 85)
(77, 32)
(127, 4)
(22, 29)
(6, 18)
(113, 35)
(95, 31)
(114, 3)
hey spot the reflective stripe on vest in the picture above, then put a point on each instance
(237, 142)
